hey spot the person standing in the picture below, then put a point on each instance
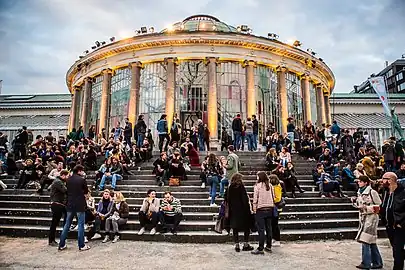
(393, 217)
(237, 132)
(368, 202)
(239, 214)
(263, 207)
(335, 130)
(162, 130)
(175, 131)
(255, 132)
(140, 128)
(117, 132)
(76, 205)
(207, 136)
(233, 163)
(291, 131)
(58, 204)
(249, 133)
(127, 132)
(200, 130)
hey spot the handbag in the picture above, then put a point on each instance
(186, 167)
(173, 181)
(280, 204)
(219, 226)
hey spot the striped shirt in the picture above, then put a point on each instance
(175, 204)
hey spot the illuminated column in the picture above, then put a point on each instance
(105, 101)
(328, 116)
(212, 106)
(170, 92)
(72, 112)
(86, 104)
(320, 105)
(282, 93)
(306, 98)
(133, 105)
(250, 88)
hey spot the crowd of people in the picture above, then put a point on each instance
(344, 162)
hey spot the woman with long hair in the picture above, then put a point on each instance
(263, 207)
(368, 202)
(278, 193)
(119, 217)
(240, 216)
(214, 175)
(272, 160)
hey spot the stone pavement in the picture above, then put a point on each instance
(30, 253)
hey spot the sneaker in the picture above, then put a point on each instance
(96, 236)
(62, 248)
(376, 267)
(86, 240)
(86, 247)
(106, 239)
(247, 248)
(203, 185)
(258, 252)
(276, 244)
(53, 244)
(213, 205)
(74, 228)
(268, 249)
(362, 266)
(209, 198)
(141, 231)
(323, 196)
(116, 239)
(161, 184)
(153, 231)
(237, 248)
(86, 227)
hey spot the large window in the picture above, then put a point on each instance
(152, 93)
(267, 98)
(191, 92)
(231, 88)
(295, 106)
(120, 83)
(96, 89)
(312, 94)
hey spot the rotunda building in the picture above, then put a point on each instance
(199, 68)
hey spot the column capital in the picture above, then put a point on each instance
(88, 79)
(107, 71)
(138, 64)
(171, 60)
(249, 63)
(76, 88)
(208, 60)
(281, 68)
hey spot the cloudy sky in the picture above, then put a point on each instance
(40, 39)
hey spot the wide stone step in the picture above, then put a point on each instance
(290, 207)
(195, 236)
(185, 201)
(198, 225)
(46, 212)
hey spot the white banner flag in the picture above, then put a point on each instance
(378, 83)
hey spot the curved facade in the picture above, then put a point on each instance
(199, 68)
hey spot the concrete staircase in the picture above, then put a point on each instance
(305, 218)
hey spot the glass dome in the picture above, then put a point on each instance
(200, 23)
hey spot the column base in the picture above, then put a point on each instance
(214, 145)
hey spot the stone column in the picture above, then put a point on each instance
(105, 101)
(170, 90)
(72, 117)
(250, 88)
(320, 103)
(76, 107)
(86, 104)
(133, 104)
(306, 98)
(283, 100)
(212, 106)
(328, 116)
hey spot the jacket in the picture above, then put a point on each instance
(335, 129)
(249, 127)
(232, 166)
(162, 127)
(150, 207)
(127, 130)
(255, 127)
(237, 124)
(108, 210)
(123, 210)
(393, 207)
(262, 198)
(240, 216)
(140, 127)
(58, 191)
(76, 189)
(368, 218)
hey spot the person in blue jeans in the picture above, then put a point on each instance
(237, 128)
(76, 205)
(114, 174)
(255, 132)
(224, 180)
(200, 131)
(249, 134)
(214, 171)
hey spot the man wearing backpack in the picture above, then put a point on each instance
(163, 132)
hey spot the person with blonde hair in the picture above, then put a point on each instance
(119, 217)
(359, 171)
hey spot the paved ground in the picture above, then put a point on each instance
(29, 253)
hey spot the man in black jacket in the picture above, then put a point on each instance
(237, 132)
(393, 216)
(255, 132)
(128, 132)
(76, 204)
(58, 203)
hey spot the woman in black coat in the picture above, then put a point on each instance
(240, 215)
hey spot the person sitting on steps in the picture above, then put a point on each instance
(115, 174)
(161, 169)
(104, 211)
(119, 218)
(170, 213)
(149, 212)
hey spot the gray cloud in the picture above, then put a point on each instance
(41, 39)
